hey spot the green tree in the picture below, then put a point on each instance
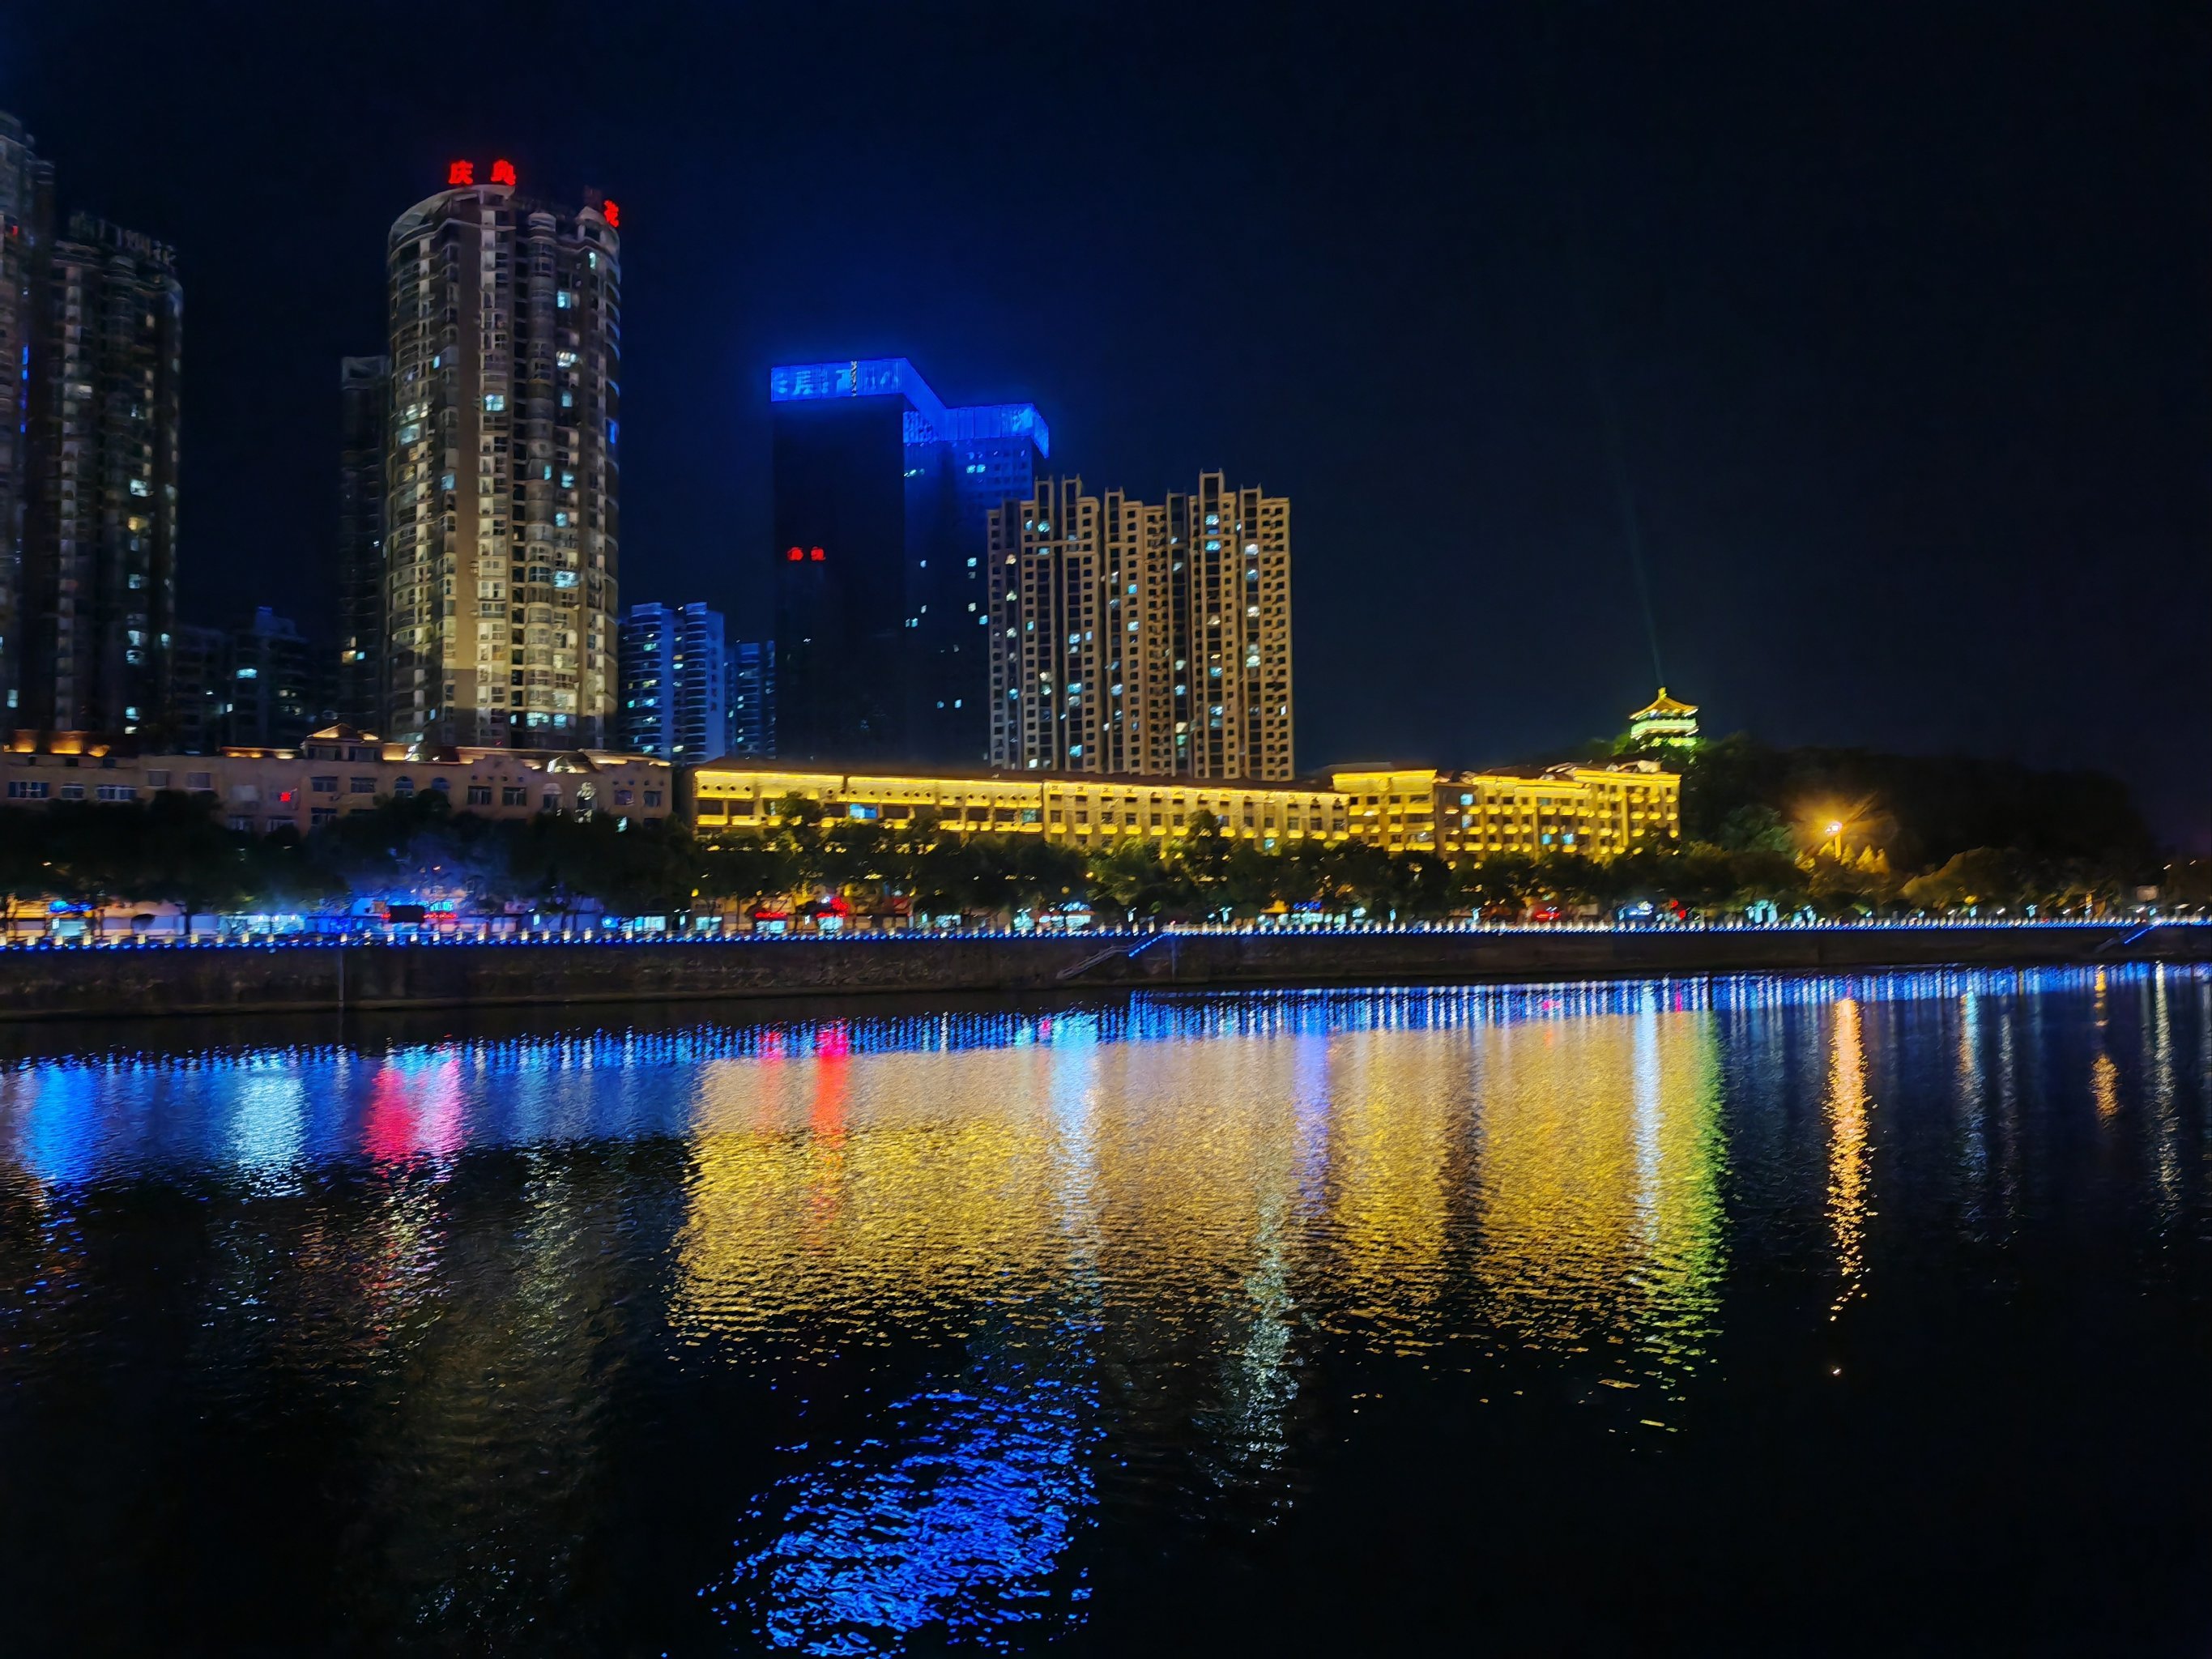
(1982, 877)
(1499, 887)
(1131, 876)
(194, 862)
(1421, 887)
(1753, 827)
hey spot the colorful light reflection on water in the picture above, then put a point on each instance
(837, 1335)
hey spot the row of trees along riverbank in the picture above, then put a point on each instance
(1741, 855)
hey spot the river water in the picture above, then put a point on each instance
(1771, 1314)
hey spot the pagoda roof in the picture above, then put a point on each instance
(1664, 704)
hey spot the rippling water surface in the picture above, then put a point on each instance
(1738, 1315)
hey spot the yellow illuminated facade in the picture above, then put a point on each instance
(1595, 811)
(1085, 809)
(1393, 807)
(1592, 812)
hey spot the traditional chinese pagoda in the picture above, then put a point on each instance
(1666, 723)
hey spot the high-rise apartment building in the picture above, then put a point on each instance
(99, 589)
(644, 697)
(1130, 637)
(27, 187)
(1229, 558)
(501, 530)
(364, 402)
(882, 495)
(675, 682)
(280, 685)
(752, 698)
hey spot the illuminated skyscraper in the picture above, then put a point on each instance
(364, 403)
(882, 498)
(1082, 666)
(1128, 637)
(503, 532)
(1228, 559)
(98, 590)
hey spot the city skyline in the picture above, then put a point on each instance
(1068, 830)
(1838, 550)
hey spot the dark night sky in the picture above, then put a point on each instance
(1906, 318)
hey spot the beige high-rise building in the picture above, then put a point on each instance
(1130, 637)
(503, 529)
(1228, 555)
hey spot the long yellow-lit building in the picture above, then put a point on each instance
(1598, 812)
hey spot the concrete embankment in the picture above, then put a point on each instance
(62, 984)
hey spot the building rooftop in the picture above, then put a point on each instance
(930, 421)
(1563, 769)
(892, 768)
(1664, 705)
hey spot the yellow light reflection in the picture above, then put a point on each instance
(1849, 1157)
(1600, 1154)
(1553, 1183)
(2105, 1084)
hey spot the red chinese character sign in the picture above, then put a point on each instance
(461, 173)
(502, 173)
(612, 214)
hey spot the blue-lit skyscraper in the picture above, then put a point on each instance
(882, 495)
(752, 698)
(675, 682)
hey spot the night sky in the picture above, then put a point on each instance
(1886, 333)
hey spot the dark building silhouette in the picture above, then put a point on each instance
(90, 330)
(27, 206)
(364, 403)
(261, 686)
(882, 501)
(199, 690)
(280, 685)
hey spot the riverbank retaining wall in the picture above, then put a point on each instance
(61, 984)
